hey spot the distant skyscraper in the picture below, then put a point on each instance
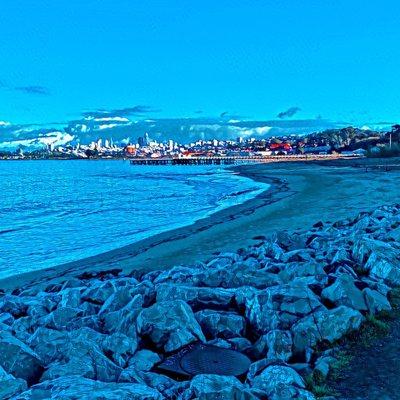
(144, 141)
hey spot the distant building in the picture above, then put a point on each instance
(317, 149)
(144, 141)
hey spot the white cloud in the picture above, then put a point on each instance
(107, 126)
(262, 130)
(111, 119)
(4, 123)
(56, 138)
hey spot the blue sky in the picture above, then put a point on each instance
(336, 59)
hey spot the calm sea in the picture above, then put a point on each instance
(53, 212)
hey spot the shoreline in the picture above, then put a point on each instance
(300, 195)
(111, 259)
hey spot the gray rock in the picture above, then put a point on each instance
(18, 359)
(82, 352)
(119, 347)
(221, 323)
(23, 327)
(211, 387)
(241, 344)
(281, 382)
(99, 292)
(123, 320)
(10, 386)
(328, 325)
(61, 317)
(6, 318)
(376, 301)
(169, 324)
(279, 307)
(144, 360)
(294, 270)
(74, 387)
(279, 344)
(323, 365)
(71, 297)
(344, 292)
(381, 267)
(14, 305)
(195, 296)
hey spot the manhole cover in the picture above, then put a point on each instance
(214, 360)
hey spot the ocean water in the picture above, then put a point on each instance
(53, 212)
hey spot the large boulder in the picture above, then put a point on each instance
(211, 387)
(276, 344)
(383, 268)
(280, 382)
(221, 323)
(344, 292)
(325, 325)
(376, 301)
(18, 359)
(144, 360)
(279, 307)
(75, 387)
(124, 320)
(83, 352)
(199, 297)
(10, 386)
(71, 297)
(99, 292)
(170, 325)
(61, 317)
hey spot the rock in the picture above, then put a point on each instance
(211, 387)
(221, 323)
(170, 325)
(74, 387)
(276, 344)
(61, 317)
(14, 305)
(99, 292)
(240, 344)
(23, 328)
(281, 382)
(119, 299)
(199, 297)
(294, 270)
(366, 247)
(124, 320)
(326, 325)
(376, 301)
(344, 292)
(323, 365)
(384, 268)
(144, 360)
(119, 347)
(6, 318)
(169, 388)
(17, 359)
(10, 386)
(279, 307)
(71, 297)
(82, 351)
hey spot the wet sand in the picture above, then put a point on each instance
(301, 194)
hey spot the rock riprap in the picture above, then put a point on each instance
(108, 335)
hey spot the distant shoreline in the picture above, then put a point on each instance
(300, 195)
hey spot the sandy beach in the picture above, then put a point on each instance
(300, 195)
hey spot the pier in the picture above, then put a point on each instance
(230, 160)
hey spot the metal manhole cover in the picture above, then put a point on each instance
(214, 360)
